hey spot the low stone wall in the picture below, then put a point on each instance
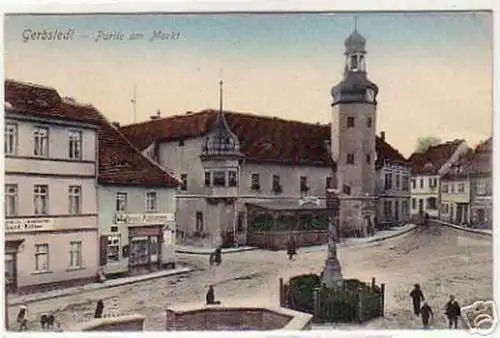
(119, 323)
(234, 318)
(276, 240)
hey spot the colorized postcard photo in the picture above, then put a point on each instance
(248, 171)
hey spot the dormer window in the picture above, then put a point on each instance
(219, 178)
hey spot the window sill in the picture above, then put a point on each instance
(42, 272)
(75, 269)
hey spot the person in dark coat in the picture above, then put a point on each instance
(211, 296)
(426, 220)
(22, 318)
(99, 309)
(216, 256)
(427, 315)
(291, 248)
(417, 296)
(452, 312)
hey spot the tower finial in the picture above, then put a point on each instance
(221, 89)
(355, 23)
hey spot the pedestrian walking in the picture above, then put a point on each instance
(417, 296)
(291, 248)
(99, 309)
(452, 312)
(22, 318)
(216, 257)
(427, 315)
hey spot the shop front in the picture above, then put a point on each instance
(10, 259)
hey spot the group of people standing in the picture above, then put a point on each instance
(421, 308)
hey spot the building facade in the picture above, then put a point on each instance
(455, 192)
(427, 169)
(51, 226)
(227, 160)
(137, 205)
(480, 171)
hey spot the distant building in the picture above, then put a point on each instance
(51, 226)
(455, 192)
(426, 170)
(227, 161)
(480, 171)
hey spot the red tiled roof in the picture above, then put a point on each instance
(120, 163)
(262, 139)
(430, 161)
(481, 162)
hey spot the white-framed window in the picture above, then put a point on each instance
(121, 202)
(41, 257)
(75, 254)
(232, 178)
(11, 199)
(255, 182)
(444, 187)
(398, 181)
(452, 186)
(200, 227)
(207, 178)
(41, 141)
(414, 203)
(461, 187)
(10, 139)
(41, 199)
(114, 244)
(75, 145)
(219, 178)
(151, 201)
(75, 199)
(184, 182)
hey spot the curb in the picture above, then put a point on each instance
(461, 228)
(90, 288)
(378, 239)
(189, 252)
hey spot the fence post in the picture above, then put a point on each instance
(360, 306)
(282, 303)
(316, 304)
(382, 299)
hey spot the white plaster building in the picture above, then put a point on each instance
(265, 160)
(51, 225)
(427, 169)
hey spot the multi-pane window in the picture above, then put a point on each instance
(350, 122)
(461, 187)
(421, 183)
(75, 145)
(121, 201)
(10, 139)
(11, 199)
(41, 199)
(350, 159)
(41, 141)
(113, 250)
(329, 182)
(75, 199)
(199, 222)
(387, 209)
(151, 201)
(414, 203)
(75, 254)
(388, 181)
(406, 183)
(452, 186)
(444, 188)
(303, 184)
(414, 183)
(481, 187)
(232, 177)
(398, 181)
(255, 184)
(41, 257)
(184, 182)
(207, 178)
(219, 178)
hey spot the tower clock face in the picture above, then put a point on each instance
(370, 95)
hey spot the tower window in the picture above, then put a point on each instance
(350, 122)
(354, 62)
(369, 122)
(350, 159)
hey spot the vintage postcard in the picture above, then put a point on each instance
(248, 171)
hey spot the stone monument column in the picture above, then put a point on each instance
(332, 273)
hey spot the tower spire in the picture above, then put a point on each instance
(221, 96)
(355, 23)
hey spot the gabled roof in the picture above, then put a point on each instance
(262, 138)
(432, 160)
(120, 163)
(481, 162)
(458, 170)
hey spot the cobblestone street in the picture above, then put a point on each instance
(442, 260)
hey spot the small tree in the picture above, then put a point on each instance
(425, 142)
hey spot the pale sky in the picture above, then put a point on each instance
(434, 71)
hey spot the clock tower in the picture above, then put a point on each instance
(353, 139)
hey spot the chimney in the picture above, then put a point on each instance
(157, 116)
(382, 135)
(116, 124)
